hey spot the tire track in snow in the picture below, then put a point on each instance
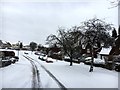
(35, 71)
(51, 75)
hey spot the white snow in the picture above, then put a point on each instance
(16, 52)
(46, 46)
(88, 58)
(105, 51)
(19, 75)
(50, 59)
(96, 60)
(99, 61)
(78, 75)
(16, 75)
(66, 57)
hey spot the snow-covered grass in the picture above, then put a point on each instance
(78, 75)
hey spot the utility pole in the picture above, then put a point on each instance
(18, 47)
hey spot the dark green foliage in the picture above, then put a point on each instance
(114, 33)
(21, 45)
(33, 45)
(119, 30)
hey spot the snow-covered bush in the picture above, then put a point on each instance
(99, 61)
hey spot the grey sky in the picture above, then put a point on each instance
(34, 20)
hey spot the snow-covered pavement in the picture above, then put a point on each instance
(19, 75)
(16, 75)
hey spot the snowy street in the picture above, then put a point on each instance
(20, 75)
(16, 75)
(60, 44)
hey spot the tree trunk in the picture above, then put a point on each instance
(71, 57)
(92, 54)
(71, 63)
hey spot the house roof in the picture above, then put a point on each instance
(47, 46)
(105, 51)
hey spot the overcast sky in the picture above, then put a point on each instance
(34, 20)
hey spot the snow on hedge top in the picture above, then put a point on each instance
(105, 51)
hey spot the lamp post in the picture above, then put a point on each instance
(18, 47)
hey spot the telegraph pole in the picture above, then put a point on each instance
(18, 47)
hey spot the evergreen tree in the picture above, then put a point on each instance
(33, 45)
(114, 33)
(119, 30)
(21, 45)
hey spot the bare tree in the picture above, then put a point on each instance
(68, 40)
(96, 30)
(114, 3)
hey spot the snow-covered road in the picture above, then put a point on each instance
(19, 75)
(35, 73)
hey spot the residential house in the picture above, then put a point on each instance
(55, 52)
(4, 44)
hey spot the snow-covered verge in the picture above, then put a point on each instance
(78, 75)
(16, 75)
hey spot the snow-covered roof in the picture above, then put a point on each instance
(7, 50)
(3, 49)
(46, 46)
(105, 51)
(4, 42)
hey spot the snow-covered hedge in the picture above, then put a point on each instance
(96, 60)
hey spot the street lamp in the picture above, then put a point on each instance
(18, 47)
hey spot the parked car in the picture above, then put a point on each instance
(117, 67)
(97, 62)
(7, 58)
(66, 58)
(37, 53)
(14, 59)
(87, 60)
(43, 57)
(117, 63)
(6, 62)
(49, 60)
(25, 53)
